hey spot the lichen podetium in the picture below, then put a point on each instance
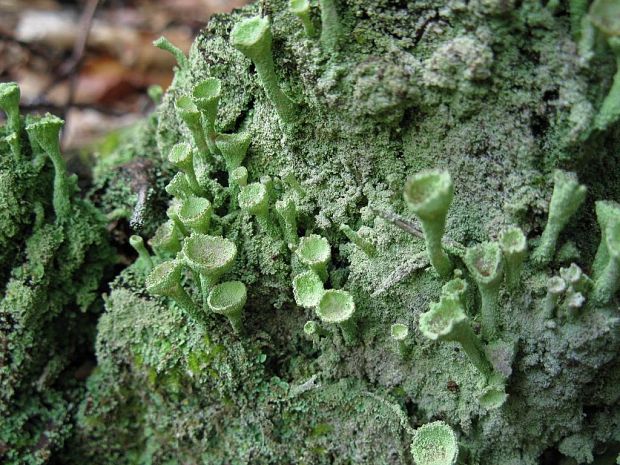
(384, 251)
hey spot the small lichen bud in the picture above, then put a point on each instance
(144, 257)
(314, 252)
(399, 334)
(310, 328)
(165, 280)
(233, 148)
(195, 214)
(573, 302)
(486, 265)
(313, 330)
(567, 197)
(446, 321)
(556, 287)
(338, 307)
(239, 176)
(514, 247)
(576, 278)
(455, 288)
(434, 444)
(301, 9)
(364, 245)
(291, 181)
(494, 394)
(252, 37)
(229, 299)
(429, 195)
(164, 44)
(308, 289)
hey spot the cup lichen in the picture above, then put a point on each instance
(252, 37)
(165, 280)
(337, 307)
(229, 299)
(608, 283)
(567, 197)
(308, 289)
(314, 252)
(485, 262)
(429, 195)
(46, 132)
(514, 247)
(446, 321)
(210, 257)
(435, 444)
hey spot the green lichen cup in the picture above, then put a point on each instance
(485, 262)
(252, 37)
(206, 96)
(229, 299)
(399, 334)
(182, 156)
(195, 214)
(429, 195)
(434, 444)
(233, 148)
(315, 253)
(308, 289)
(338, 307)
(253, 198)
(165, 280)
(446, 321)
(514, 247)
(210, 257)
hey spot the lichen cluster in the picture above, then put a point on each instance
(369, 232)
(54, 251)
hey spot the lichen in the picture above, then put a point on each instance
(491, 96)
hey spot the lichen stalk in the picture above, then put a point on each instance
(46, 132)
(252, 37)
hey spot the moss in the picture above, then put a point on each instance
(54, 253)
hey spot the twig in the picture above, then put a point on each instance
(69, 68)
(399, 222)
(32, 48)
(453, 246)
(37, 107)
(417, 262)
